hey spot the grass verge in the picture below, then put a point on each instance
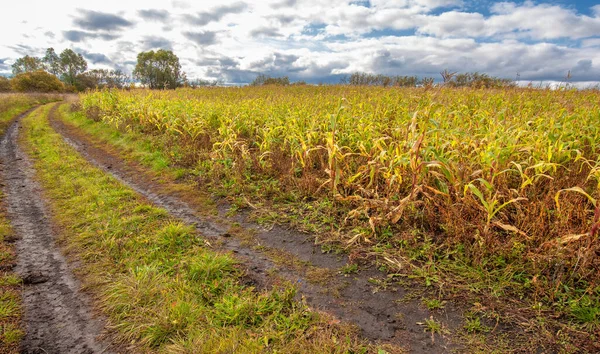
(161, 287)
(11, 331)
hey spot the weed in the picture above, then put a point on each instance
(434, 304)
(350, 268)
(432, 326)
(474, 325)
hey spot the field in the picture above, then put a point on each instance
(489, 191)
(463, 218)
(501, 176)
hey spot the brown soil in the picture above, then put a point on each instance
(386, 314)
(57, 315)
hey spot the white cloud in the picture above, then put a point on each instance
(531, 20)
(314, 39)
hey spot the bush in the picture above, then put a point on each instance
(4, 84)
(477, 80)
(37, 81)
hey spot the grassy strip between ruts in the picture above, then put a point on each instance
(10, 284)
(159, 284)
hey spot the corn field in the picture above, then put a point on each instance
(511, 174)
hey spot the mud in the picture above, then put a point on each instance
(57, 315)
(388, 314)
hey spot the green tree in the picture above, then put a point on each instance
(71, 64)
(36, 81)
(27, 64)
(159, 70)
(4, 84)
(262, 80)
(52, 62)
(101, 78)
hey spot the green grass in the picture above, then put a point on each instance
(161, 287)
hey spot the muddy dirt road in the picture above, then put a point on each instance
(382, 313)
(57, 315)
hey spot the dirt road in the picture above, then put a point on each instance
(57, 315)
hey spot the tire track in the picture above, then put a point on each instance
(58, 316)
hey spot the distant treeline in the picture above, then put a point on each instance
(450, 79)
(366, 79)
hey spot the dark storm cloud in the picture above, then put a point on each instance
(94, 20)
(284, 19)
(3, 65)
(277, 63)
(223, 62)
(203, 18)
(284, 3)
(23, 49)
(202, 37)
(385, 59)
(265, 32)
(95, 58)
(151, 42)
(228, 62)
(584, 71)
(232, 75)
(80, 36)
(154, 15)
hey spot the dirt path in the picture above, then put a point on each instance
(57, 316)
(385, 313)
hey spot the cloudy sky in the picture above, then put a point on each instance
(317, 40)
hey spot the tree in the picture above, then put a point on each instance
(4, 84)
(52, 62)
(159, 70)
(27, 64)
(101, 78)
(37, 81)
(262, 80)
(71, 65)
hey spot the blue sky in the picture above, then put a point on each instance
(318, 41)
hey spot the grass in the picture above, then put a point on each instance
(10, 287)
(467, 191)
(161, 287)
(432, 326)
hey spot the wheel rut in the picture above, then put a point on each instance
(383, 314)
(58, 317)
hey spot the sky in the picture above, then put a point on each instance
(317, 40)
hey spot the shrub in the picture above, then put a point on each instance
(37, 81)
(4, 84)
(262, 80)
